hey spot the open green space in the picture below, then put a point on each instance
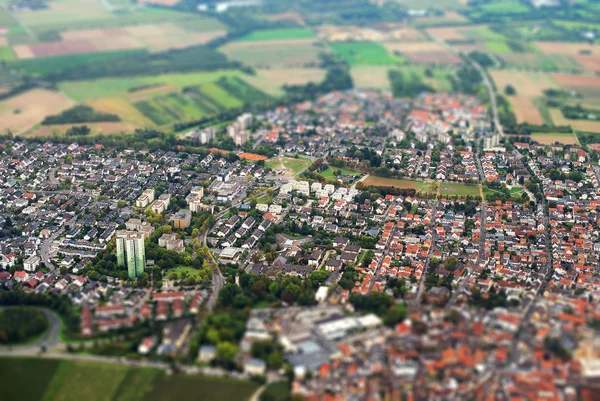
(190, 271)
(278, 34)
(26, 379)
(330, 173)
(365, 53)
(281, 163)
(451, 189)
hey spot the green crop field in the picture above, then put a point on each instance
(6, 54)
(278, 34)
(498, 47)
(54, 64)
(156, 113)
(107, 87)
(220, 95)
(272, 54)
(481, 33)
(504, 7)
(69, 15)
(365, 53)
(26, 379)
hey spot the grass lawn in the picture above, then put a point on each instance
(393, 182)
(279, 34)
(180, 269)
(329, 173)
(265, 199)
(281, 163)
(278, 391)
(448, 189)
(365, 53)
(57, 380)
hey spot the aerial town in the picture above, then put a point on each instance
(363, 246)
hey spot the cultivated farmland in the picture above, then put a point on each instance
(96, 128)
(424, 53)
(77, 380)
(549, 138)
(21, 112)
(271, 80)
(365, 53)
(275, 53)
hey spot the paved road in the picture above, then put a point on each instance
(491, 93)
(486, 82)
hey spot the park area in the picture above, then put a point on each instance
(331, 173)
(287, 166)
(27, 379)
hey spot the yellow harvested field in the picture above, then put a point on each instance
(415, 47)
(525, 110)
(446, 33)
(574, 81)
(385, 32)
(568, 48)
(19, 113)
(123, 109)
(370, 77)
(23, 52)
(97, 128)
(271, 80)
(528, 84)
(117, 43)
(289, 16)
(578, 125)
(589, 62)
(548, 139)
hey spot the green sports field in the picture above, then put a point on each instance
(54, 380)
(450, 189)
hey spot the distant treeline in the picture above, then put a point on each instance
(80, 114)
(580, 113)
(195, 58)
(402, 87)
